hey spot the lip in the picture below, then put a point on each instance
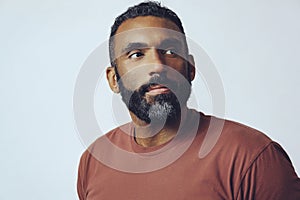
(157, 89)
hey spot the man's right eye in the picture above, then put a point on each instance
(135, 55)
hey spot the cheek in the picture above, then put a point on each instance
(132, 79)
(178, 70)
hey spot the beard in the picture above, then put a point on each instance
(162, 107)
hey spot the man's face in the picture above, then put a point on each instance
(151, 58)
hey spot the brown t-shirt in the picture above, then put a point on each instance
(243, 164)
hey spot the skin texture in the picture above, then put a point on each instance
(142, 53)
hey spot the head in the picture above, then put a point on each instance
(149, 8)
(150, 62)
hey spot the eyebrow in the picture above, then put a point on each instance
(163, 45)
(133, 45)
(170, 42)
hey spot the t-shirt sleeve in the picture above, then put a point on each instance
(271, 176)
(81, 177)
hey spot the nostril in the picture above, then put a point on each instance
(154, 75)
(157, 75)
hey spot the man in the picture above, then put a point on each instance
(157, 156)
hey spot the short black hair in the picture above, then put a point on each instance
(149, 8)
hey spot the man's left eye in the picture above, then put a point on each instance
(169, 51)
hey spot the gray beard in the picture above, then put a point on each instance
(165, 106)
(161, 111)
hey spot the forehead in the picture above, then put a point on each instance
(149, 30)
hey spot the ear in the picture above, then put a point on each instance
(191, 65)
(112, 79)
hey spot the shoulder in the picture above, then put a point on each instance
(240, 133)
(236, 135)
(118, 137)
(233, 143)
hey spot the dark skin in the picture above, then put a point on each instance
(142, 53)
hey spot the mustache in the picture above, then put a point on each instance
(157, 79)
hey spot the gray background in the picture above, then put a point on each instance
(254, 45)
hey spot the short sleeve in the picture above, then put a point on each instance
(271, 176)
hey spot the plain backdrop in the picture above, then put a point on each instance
(254, 44)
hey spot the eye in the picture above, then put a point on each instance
(170, 52)
(136, 55)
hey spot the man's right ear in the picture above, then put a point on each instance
(111, 77)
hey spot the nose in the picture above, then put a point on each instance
(157, 62)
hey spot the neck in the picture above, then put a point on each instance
(156, 133)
